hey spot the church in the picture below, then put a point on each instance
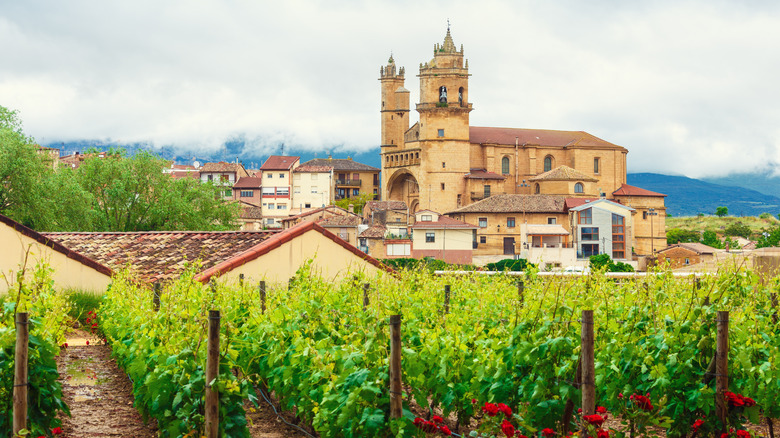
(444, 164)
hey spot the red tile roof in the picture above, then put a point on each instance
(305, 168)
(56, 246)
(161, 255)
(375, 232)
(248, 182)
(279, 162)
(576, 202)
(627, 190)
(444, 222)
(483, 174)
(334, 208)
(515, 204)
(277, 241)
(563, 173)
(223, 167)
(349, 220)
(541, 137)
(385, 205)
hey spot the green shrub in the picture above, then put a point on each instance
(509, 265)
(82, 303)
(738, 229)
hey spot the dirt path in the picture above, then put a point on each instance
(264, 423)
(98, 393)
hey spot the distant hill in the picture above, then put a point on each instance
(689, 197)
(766, 182)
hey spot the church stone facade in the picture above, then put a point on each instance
(443, 163)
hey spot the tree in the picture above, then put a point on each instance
(709, 238)
(678, 235)
(770, 237)
(738, 229)
(358, 202)
(721, 211)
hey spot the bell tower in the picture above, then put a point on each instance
(395, 117)
(444, 127)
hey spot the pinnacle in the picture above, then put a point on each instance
(449, 45)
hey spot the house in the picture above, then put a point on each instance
(350, 177)
(393, 214)
(24, 249)
(686, 254)
(603, 227)
(223, 174)
(346, 226)
(272, 256)
(251, 217)
(312, 187)
(51, 156)
(277, 175)
(247, 189)
(441, 237)
(315, 215)
(371, 241)
(650, 218)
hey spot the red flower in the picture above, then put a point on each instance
(426, 426)
(445, 430)
(601, 410)
(743, 434)
(520, 435)
(490, 409)
(620, 395)
(505, 409)
(548, 432)
(87, 342)
(508, 429)
(697, 424)
(437, 419)
(56, 431)
(595, 419)
(473, 401)
(601, 433)
(642, 401)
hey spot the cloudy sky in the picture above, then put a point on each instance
(689, 87)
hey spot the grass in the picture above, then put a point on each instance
(83, 303)
(718, 224)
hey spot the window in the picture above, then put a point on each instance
(510, 222)
(224, 178)
(443, 165)
(596, 166)
(282, 191)
(505, 165)
(590, 233)
(644, 215)
(269, 175)
(482, 239)
(307, 205)
(487, 191)
(211, 177)
(281, 175)
(578, 188)
(586, 216)
(443, 94)
(297, 189)
(459, 199)
(355, 192)
(548, 163)
(426, 218)
(247, 193)
(441, 133)
(281, 207)
(618, 237)
(269, 221)
(271, 206)
(551, 221)
(687, 261)
(590, 249)
(314, 189)
(430, 237)
(537, 188)
(483, 223)
(442, 186)
(460, 96)
(228, 193)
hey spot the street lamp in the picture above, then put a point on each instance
(651, 212)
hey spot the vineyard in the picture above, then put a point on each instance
(469, 343)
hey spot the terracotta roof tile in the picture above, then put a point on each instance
(305, 168)
(341, 221)
(333, 208)
(375, 232)
(341, 164)
(160, 255)
(516, 204)
(385, 205)
(576, 202)
(563, 173)
(541, 137)
(483, 174)
(627, 190)
(279, 162)
(248, 182)
(224, 167)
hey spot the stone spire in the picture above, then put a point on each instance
(449, 45)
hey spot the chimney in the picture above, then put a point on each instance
(351, 208)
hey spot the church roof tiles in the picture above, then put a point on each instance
(563, 173)
(540, 137)
(516, 204)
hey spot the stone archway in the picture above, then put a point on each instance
(403, 186)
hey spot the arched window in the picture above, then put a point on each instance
(537, 189)
(579, 188)
(505, 165)
(443, 94)
(460, 96)
(548, 162)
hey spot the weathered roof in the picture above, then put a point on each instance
(279, 162)
(483, 174)
(444, 222)
(375, 232)
(55, 245)
(541, 137)
(350, 220)
(248, 182)
(385, 205)
(161, 255)
(333, 208)
(305, 168)
(576, 202)
(250, 211)
(341, 164)
(698, 248)
(224, 167)
(516, 204)
(627, 190)
(547, 230)
(563, 173)
(600, 201)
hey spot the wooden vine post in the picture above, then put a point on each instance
(366, 288)
(20, 372)
(241, 280)
(156, 296)
(446, 299)
(262, 296)
(395, 367)
(588, 365)
(212, 371)
(722, 370)
(520, 290)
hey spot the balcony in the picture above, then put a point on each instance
(347, 183)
